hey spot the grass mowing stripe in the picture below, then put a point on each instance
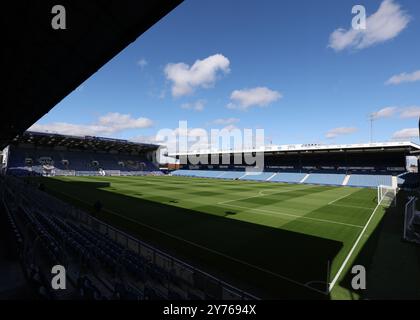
(200, 246)
(298, 205)
(261, 195)
(277, 213)
(331, 202)
(350, 206)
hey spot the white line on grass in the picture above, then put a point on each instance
(350, 206)
(201, 247)
(331, 202)
(260, 194)
(332, 284)
(277, 213)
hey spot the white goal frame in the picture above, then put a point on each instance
(387, 196)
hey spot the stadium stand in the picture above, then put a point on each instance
(409, 180)
(233, 174)
(263, 176)
(290, 177)
(105, 263)
(198, 173)
(356, 165)
(369, 180)
(51, 155)
(102, 262)
(355, 180)
(326, 178)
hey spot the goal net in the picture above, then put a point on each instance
(411, 221)
(387, 196)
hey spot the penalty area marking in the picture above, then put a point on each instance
(203, 247)
(277, 213)
(260, 194)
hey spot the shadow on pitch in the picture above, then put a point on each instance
(268, 262)
(392, 265)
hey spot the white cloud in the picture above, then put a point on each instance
(333, 133)
(142, 63)
(183, 138)
(384, 113)
(196, 106)
(196, 139)
(107, 125)
(192, 133)
(230, 127)
(246, 98)
(118, 122)
(410, 112)
(404, 112)
(383, 25)
(203, 73)
(407, 133)
(404, 77)
(226, 121)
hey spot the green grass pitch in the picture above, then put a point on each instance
(271, 239)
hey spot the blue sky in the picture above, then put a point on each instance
(284, 66)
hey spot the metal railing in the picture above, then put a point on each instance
(194, 278)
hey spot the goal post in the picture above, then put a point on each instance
(411, 221)
(387, 196)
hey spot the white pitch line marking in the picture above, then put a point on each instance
(273, 213)
(350, 206)
(277, 213)
(260, 194)
(331, 286)
(331, 202)
(201, 246)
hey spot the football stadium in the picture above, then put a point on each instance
(130, 220)
(292, 230)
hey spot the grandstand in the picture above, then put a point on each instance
(103, 209)
(163, 236)
(166, 237)
(102, 262)
(31, 239)
(46, 154)
(354, 165)
(305, 198)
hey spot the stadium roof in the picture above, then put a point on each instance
(41, 66)
(81, 143)
(406, 147)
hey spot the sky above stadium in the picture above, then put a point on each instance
(297, 69)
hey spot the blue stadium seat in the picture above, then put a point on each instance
(326, 178)
(290, 177)
(369, 180)
(83, 163)
(263, 176)
(232, 175)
